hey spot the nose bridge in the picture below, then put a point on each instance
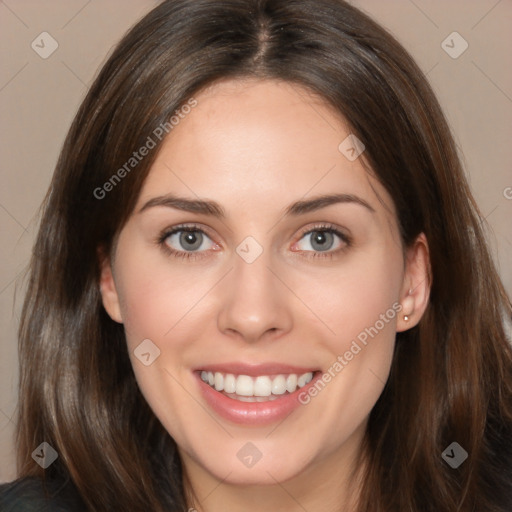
(253, 301)
(252, 277)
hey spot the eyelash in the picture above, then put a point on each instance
(193, 228)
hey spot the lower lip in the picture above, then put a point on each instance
(253, 413)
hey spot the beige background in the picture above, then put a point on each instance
(39, 97)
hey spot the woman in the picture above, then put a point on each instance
(261, 282)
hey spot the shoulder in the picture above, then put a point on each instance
(34, 495)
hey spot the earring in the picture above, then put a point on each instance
(407, 305)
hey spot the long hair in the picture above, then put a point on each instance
(451, 376)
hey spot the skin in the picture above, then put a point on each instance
(255, 147)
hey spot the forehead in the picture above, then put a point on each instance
(261, 144)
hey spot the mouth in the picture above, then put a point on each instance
(254, 395)
(261, 388)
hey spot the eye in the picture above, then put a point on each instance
(186, 241)
(323, 239)
(190, 241)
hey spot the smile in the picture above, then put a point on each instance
(261, 388)
(254, 395)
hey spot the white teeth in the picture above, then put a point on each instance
(255, 389)
(291, 383)
(304, 379)
(229, 383)
(244, 386)
(254, 398)
(279, 385)
(219, 381)
(245, 398)
(262, 386)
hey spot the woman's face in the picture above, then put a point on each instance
(285, 303)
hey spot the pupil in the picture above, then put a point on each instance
(192, 240)
(321, 240)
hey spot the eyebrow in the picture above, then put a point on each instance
(208, 207)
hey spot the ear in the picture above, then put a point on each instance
(109, 295)
(416, 284)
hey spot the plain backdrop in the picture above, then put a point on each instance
(39, 97)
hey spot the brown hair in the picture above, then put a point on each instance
(451, 377)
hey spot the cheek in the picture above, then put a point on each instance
(356, 295)
(358, 303)
(160, 302)
(157, 296)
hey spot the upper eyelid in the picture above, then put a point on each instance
(327, 226)
(185, 227)
(197, 227)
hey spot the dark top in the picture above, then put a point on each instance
(31, 495)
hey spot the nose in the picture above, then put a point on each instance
(255, 304)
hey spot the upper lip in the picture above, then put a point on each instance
(253, 370)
